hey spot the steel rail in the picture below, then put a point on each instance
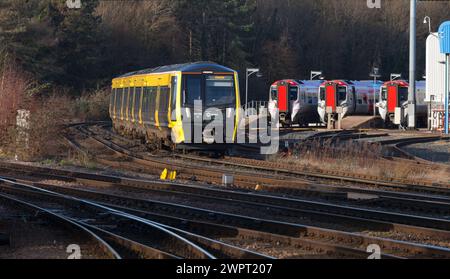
(269, 226)
(168, 236)
(274, 170)
(418, 202)
(64, 221)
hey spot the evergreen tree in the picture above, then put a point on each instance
(56, 44)
(216, 30)
(77, 49)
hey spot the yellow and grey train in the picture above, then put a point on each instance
(152, 104)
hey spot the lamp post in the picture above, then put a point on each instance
(315, 74)
(426, 20)
(412, 66)
(248, 73)
(375, 74)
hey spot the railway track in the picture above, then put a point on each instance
(58, 220)
(225, 233)
(280, 174)
(288, 208)
(345, 240)
(134, 236)
(203, 225)
(321, 199)
(384, 199)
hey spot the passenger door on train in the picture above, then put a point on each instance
(283, 98)
(392, 100)
(330, 96)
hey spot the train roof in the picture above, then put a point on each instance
(352, 82)
(404, 83)
(186, 67)
(300, 82)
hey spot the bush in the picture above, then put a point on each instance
(93, 106)
(41, 139)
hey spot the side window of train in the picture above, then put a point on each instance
(152, 103)
(137, 103)
(145, 104)
(111, 101)
(173, 97)
(173, 93)
(130, 103)
(164, 96)
(360, 101)
(118, 101)
(124, 103)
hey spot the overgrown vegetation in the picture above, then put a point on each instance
(361, 158)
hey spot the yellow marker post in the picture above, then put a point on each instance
(163, 175)
(173, 175)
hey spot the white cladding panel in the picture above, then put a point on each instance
(435, 69)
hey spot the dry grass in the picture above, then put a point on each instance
(358, 158)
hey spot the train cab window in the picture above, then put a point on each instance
(273, 94)
(383, 93)
(403, 94)
(219, 91)
(192, 89)
(293, 93)
(342, 93)
(322, 93)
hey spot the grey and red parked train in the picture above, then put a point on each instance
(295, 100)
(354, 97)
(394, 94)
